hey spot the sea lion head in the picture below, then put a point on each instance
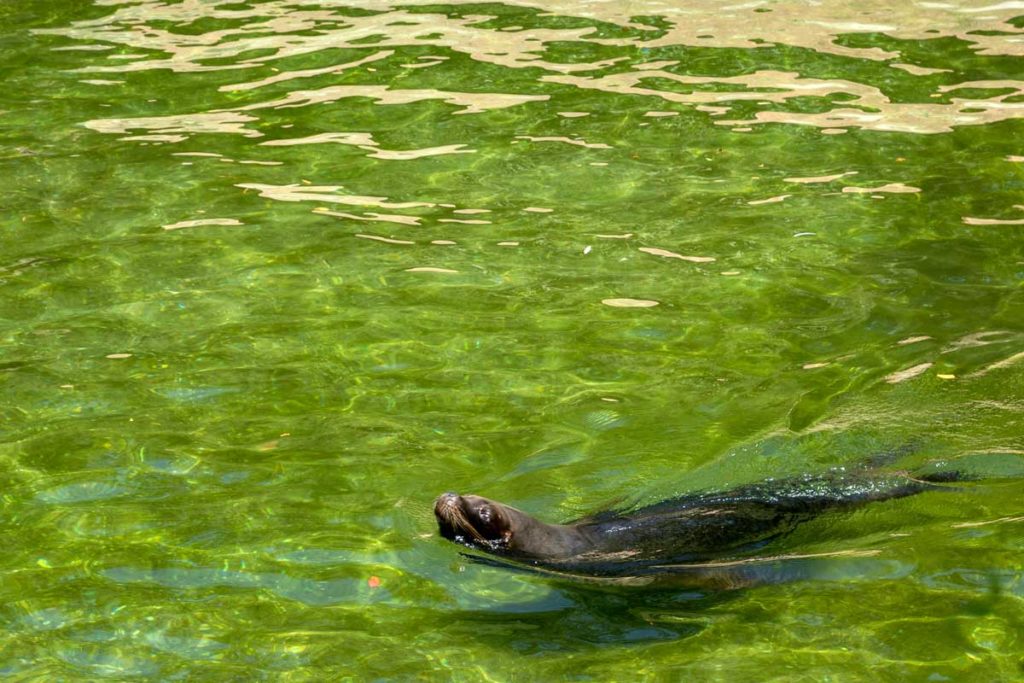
(474, 522)
(500, 529)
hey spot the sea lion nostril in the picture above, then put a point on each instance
(446, 501)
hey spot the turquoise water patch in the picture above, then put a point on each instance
(83, 492)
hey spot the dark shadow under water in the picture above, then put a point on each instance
(578, 616)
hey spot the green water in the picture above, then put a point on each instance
(276, 274)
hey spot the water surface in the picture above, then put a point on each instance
(275, 274)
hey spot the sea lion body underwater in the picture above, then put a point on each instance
(679, 535)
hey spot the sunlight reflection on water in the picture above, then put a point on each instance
(278, 274)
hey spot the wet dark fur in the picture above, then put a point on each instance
(680, 534)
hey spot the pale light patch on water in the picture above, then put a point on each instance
(566, 140)
(970, 220)
(601, 420)
(198, 222)
(769, 200)
(366, 142)
(980, 339)
(892, 188)
(909, 373)
(355, 139)
(778, 87)
(307, 73)
(665, 253)
(629, 303)
(327, 194)
(231, 123)
(787, 23)
(83, 492)
(471, 102)
(430, 269)
(373, 217)
(1004, 363)
(386, 240)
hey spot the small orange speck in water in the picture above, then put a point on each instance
(373, 582)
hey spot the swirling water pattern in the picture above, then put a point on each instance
(275, 274)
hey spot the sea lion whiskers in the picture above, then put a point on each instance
(451, 512)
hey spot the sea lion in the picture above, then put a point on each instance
(699, 530)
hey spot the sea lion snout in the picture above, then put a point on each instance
(446, 505)
(451, 520)
(471, 520)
